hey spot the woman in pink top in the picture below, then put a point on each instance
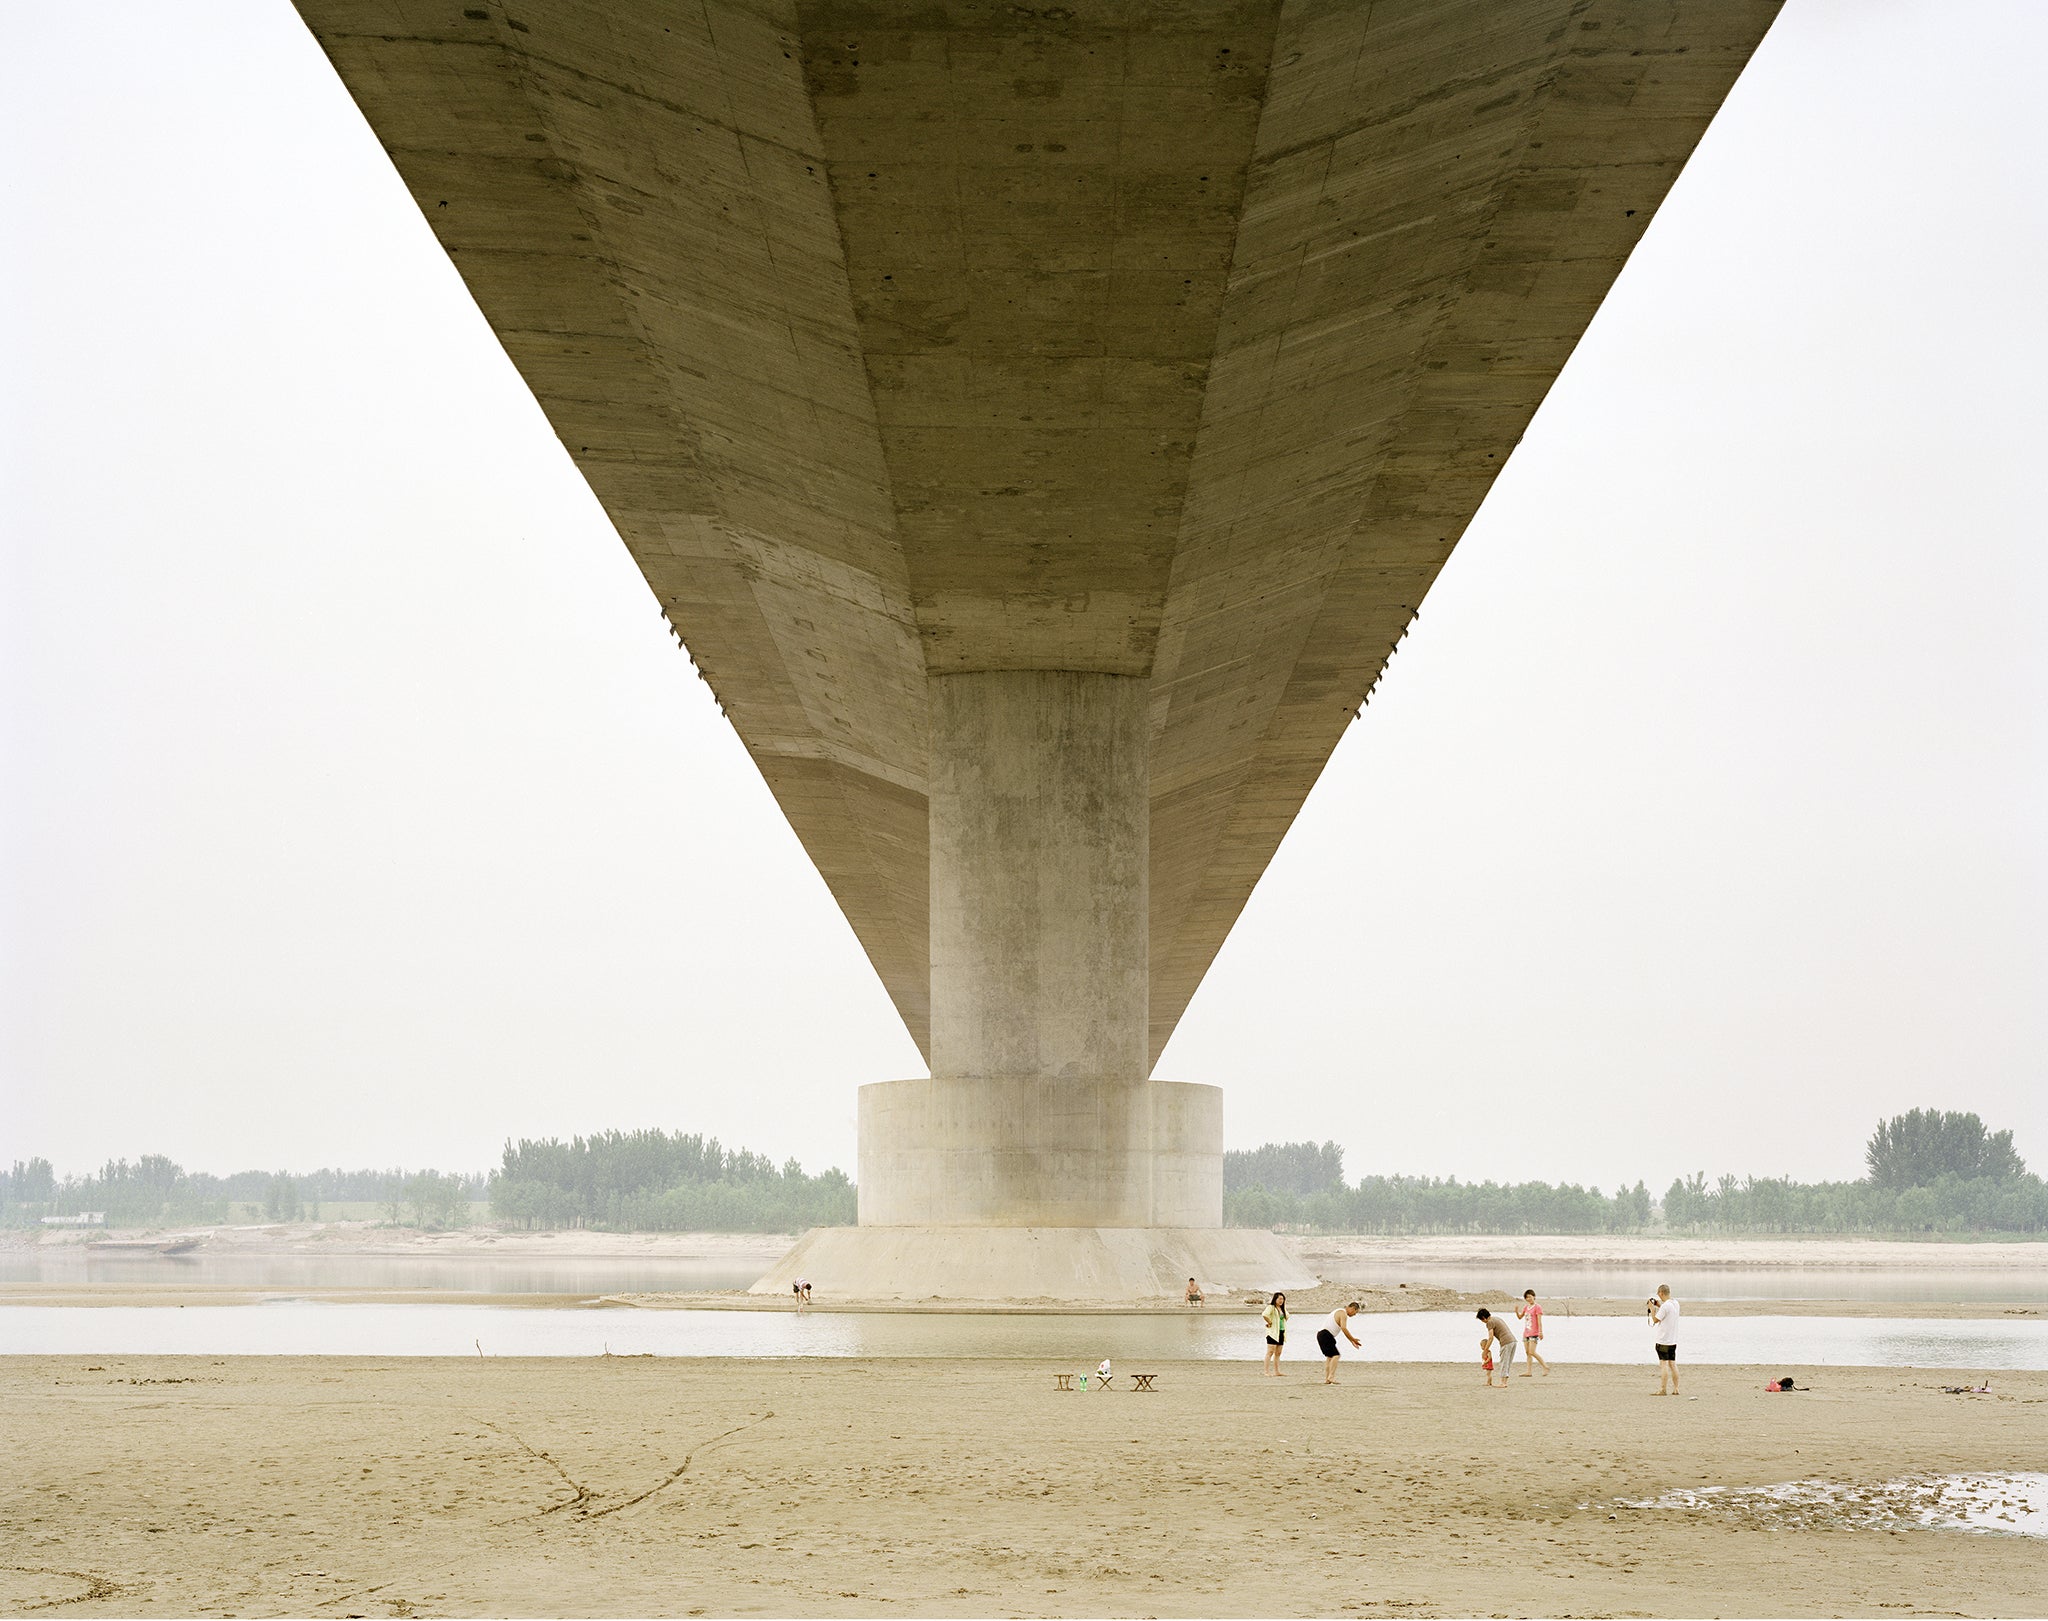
(1532, 1335)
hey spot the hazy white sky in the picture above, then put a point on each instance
(357, 808)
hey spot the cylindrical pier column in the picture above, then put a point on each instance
(1040, 841)
(1039, 1112)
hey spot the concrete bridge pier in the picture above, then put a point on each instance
(954, 416)
(1039, 1159)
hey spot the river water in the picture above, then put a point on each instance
(602, 1275)
(1587, 1281)
(306, 1328)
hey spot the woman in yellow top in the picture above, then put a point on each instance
(1276, 1334)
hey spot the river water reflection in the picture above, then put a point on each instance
(601, 1275)
(1569, 1280)
(303, 1328)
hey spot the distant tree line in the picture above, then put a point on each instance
(1301, 1186)
(1426, 1204)
(156, 1191)
(654, 1181)
(631, 1181)
(1929, 1172)
(1949, 1204)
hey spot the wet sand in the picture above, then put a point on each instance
(641, 1487)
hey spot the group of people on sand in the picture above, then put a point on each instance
(1498, 1343)
(1275, 1317)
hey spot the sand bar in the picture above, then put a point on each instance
(1333, 1256)
(378, 1238)
(636, 1486)
(1337, 1256)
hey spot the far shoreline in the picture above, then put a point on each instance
(1325, 1252)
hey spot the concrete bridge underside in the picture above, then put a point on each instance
(1040, 423)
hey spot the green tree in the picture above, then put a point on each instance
(33, 1182)
(281, 1198)
(1918, 1148)
(435, 1199)
(1299, 1168)
(1917, 1210)
(1686, 1201)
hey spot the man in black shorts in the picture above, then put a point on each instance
(1326, 1338)
(1664, 1319)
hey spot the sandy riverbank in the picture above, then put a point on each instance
(265, 1486)
(1331, 1256)
(1338, 1257)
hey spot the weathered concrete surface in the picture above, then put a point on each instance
(1039, 822)
(1035, 1151)
(1010, 1264)
(1169, 339)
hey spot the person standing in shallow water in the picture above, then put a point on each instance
(1276, 1334)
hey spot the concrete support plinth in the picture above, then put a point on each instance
(1039, 1112)
(1039, 1161)
(1038, 1152)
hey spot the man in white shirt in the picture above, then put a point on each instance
(1664, 1318)
(1326, 1338)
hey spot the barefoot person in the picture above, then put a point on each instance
(1276, 1334)
(1193, 1295)
(1532, 1335)
(1326, 1338)
(1664, 1320)
(1503, 1338)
